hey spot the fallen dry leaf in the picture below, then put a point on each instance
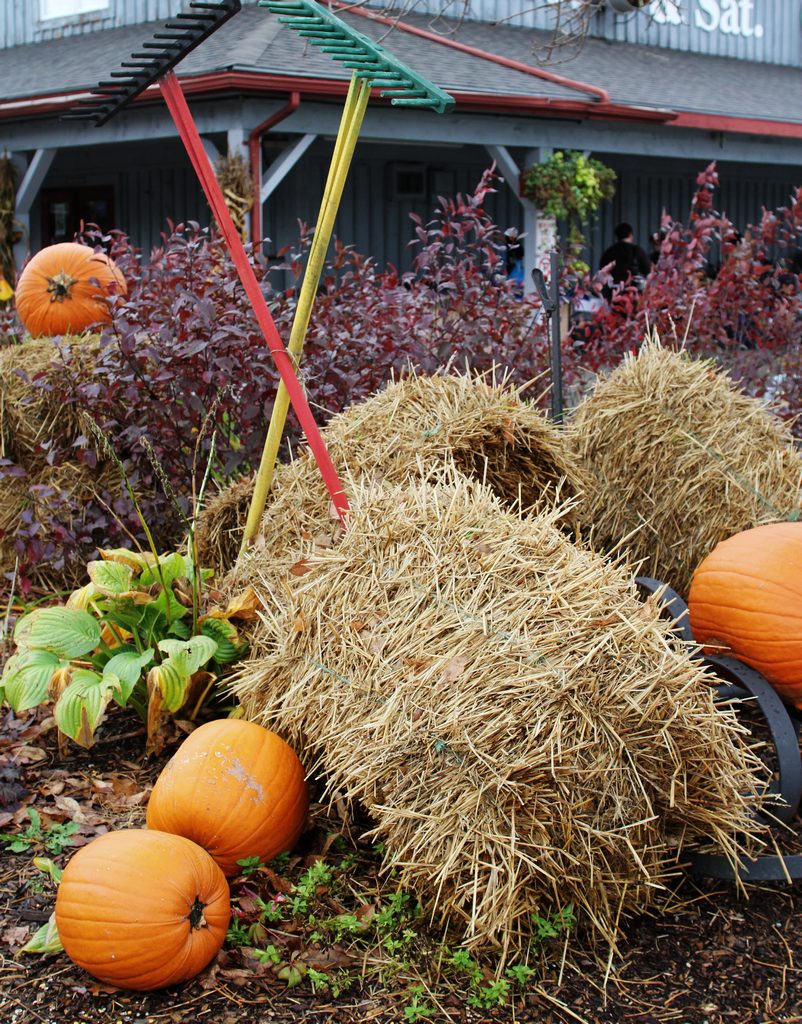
(453, 669)
(27, 754)
(16, 937)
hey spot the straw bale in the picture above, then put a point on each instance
(676, 459)
(517, 722)
(13, 500)
(218, 532)
(31, 415)
(480, 423)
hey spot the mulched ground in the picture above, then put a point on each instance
(712, 955)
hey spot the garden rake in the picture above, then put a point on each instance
(372, 67)
(154, 65)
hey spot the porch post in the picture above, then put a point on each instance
(27, 192)
(539, 231)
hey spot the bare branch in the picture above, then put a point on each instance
(566, 25)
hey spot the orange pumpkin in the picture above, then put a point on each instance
(745, 599)
(62, 289)
(236, 789)
(141, 909)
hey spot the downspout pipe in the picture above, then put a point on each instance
(255, 157)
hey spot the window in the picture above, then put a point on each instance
(50, 9)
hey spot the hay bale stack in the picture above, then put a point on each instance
(14, 499)
(219, 527)
(512, 716)
(676, 459)
(483, 426)
(31, 415)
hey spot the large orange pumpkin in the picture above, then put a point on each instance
(746, 599)
(61, 289)
(141, 909)
(236, 789)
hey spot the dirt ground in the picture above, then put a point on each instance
(711, 955)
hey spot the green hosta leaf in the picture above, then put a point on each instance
(111, 578)
(80, 708)
(171, 567)
(171, 679)
(46, 941)
(225, 635)
(27, 678)
(197, 650)
(124, 669)
(67, 632)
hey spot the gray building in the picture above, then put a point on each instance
(656, 93)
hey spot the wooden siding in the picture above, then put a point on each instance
(154, 182)
(20, 22)
(779, 43)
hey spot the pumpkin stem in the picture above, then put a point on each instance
(195, 915)
(60, 285)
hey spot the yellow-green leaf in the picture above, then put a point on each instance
(111, 578)
(81, 707)
(136, 560)
(171, 679)
(49, 867)
(66, 632)
(46, 941)
(82, 598)
(26, 678)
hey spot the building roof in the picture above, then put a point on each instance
(478, 63)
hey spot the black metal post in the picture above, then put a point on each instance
(556, 341)
(550, 298)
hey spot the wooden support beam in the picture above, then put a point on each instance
(32, 181)
(283, 164)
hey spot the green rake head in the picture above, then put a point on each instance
(368, 60)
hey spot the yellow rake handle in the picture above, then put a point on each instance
(355, 105)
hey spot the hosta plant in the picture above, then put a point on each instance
(136, 635)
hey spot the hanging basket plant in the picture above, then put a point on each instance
(569, 185)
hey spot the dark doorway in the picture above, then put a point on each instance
(63, 209)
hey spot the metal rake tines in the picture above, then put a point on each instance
(397, 82)
(168, 46)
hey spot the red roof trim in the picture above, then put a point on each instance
(262, 82)
(742, 125)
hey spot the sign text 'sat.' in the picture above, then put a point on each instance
(730, 17)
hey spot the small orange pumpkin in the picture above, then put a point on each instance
(236, 789)
(141, 909)
(60, 290)
(746, 599)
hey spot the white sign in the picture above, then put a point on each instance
(65, 8)
(730, 17)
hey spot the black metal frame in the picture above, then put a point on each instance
(169, 46)
(782, 798)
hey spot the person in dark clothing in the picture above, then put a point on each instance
(628, 259)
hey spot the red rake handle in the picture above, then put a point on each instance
(177, 105)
